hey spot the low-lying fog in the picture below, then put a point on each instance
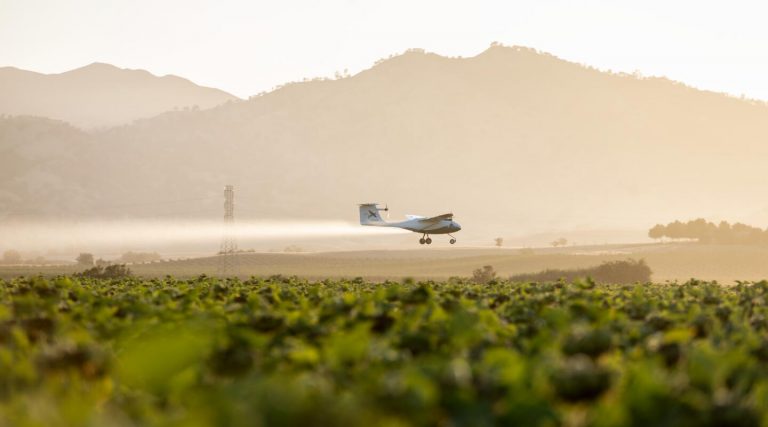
(109, 239)
(193, 237)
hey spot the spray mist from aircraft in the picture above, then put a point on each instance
(139, 233)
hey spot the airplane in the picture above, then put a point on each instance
(441, 224)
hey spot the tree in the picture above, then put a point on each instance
(85, 259)
(11, 257)
(724, 232)
(675, 230)
(483, 275)
(696, 229)
(657, 232)
(499, 241)
(559, 242)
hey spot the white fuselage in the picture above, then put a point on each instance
(440, 227)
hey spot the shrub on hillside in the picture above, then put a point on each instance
(484, 275)
(629, 271)
(85, 258)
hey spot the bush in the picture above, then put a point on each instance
(85, 259)
(484, 275)
(629, 271)
(114, 271)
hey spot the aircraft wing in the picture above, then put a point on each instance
(448, 216)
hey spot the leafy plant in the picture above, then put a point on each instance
(284, 351)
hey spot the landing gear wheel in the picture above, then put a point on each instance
(453, 241)
(422, 241)
(429, 241)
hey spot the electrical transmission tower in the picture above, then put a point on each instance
(228, 253)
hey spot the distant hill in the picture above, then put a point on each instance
(100, 95)
(513, 141)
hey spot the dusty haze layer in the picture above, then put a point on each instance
(100, 95)
(512, 141)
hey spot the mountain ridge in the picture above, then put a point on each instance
(101, 95)
(512, 141)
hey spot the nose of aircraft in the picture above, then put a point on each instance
(456, 226)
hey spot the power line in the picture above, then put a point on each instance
(228, 253)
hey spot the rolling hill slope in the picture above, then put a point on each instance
(511, 140)
(100, 95)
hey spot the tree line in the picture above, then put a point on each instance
(14, 257)
(708, 232)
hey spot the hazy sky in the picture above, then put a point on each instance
(249, 46)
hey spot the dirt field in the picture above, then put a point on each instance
(668, 262)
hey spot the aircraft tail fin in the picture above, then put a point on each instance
(369, 214)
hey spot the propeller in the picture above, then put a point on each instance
(386, 209)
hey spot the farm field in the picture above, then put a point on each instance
(669, 262)
(282, 352)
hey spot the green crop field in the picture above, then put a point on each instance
(279, 352)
